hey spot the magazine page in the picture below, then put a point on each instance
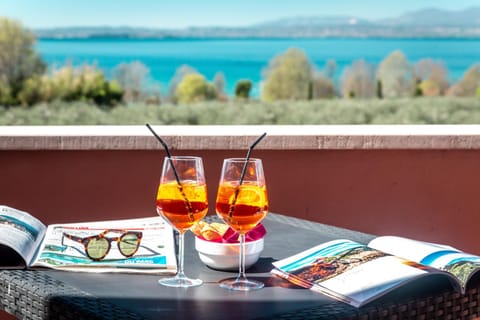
(348, 271)
(460, 264)
(98, 246)
(21, 232)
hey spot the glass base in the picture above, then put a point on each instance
(180, 282)
(241, 284)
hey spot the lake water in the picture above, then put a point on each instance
(246, 58)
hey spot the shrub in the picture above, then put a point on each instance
(85, 83)
(31, 92)
(429, 88)
(422, 110)
(193, 88)
(242, 89)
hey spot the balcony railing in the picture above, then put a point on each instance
(416, 181)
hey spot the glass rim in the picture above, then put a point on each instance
(242, 159)
(183, 157)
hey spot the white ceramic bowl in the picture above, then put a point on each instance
(225, 256)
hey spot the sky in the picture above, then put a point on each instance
(187, 13)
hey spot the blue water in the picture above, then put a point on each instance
(246, 58)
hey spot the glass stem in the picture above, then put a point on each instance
(180, 273)
(241, 271)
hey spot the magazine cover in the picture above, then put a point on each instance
(136, 245)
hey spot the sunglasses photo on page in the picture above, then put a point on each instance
(98, 246)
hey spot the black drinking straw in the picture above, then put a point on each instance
(248, 156)
(169, 156)
(242, 176)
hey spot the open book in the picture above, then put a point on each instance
(357, 274)
(27, 242)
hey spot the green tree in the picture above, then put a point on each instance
(358, 80)
(18, 60)
(193, 88)
(379, 89)
(288, 77)
(242, 89)
(431, 77)
(396, 76)
(470, 81)
(330, 69)
(220, 83)
(133, 78)
(180, 73)
(322, 88)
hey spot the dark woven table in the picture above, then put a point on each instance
(49, 294)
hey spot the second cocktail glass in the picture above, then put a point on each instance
(242, 203)
(182, 201)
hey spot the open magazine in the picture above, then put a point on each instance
(144, 245)
(357, 274)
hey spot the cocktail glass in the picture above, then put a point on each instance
(242, 202)
(182, 201)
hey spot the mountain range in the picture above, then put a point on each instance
(425, 23)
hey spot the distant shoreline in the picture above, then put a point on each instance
(127, 38)
(421, 24)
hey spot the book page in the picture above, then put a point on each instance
(156, 253)
(21, 232)
(349, 271)
(461, 265)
